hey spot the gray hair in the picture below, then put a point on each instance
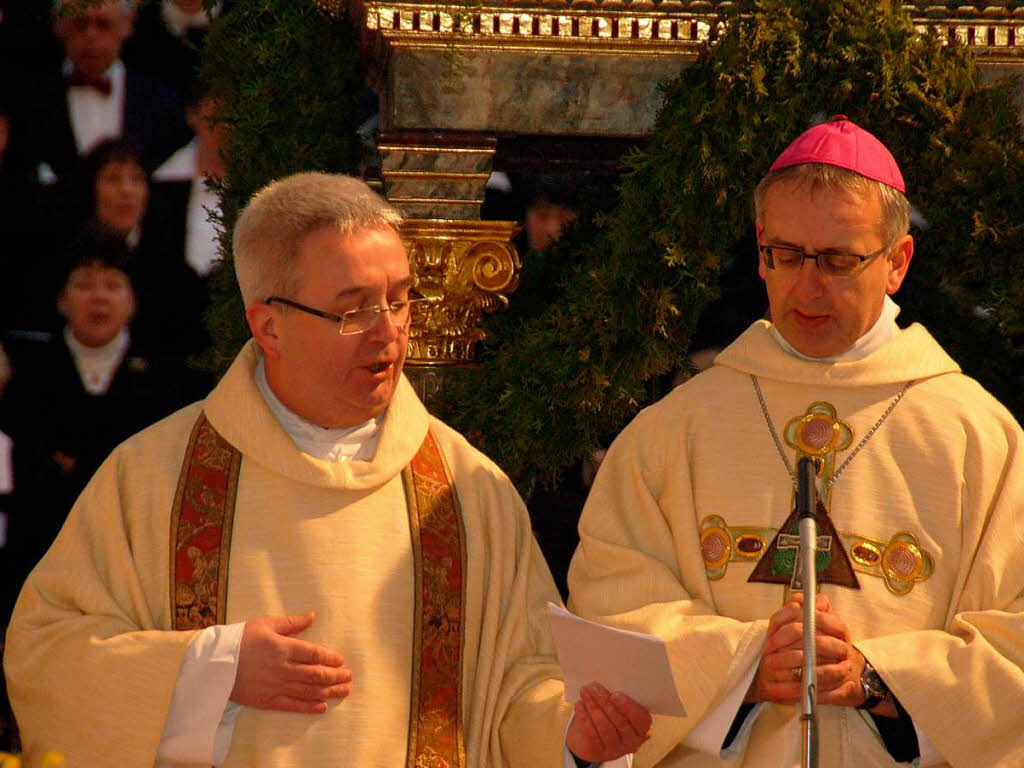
(60, 8)
(268, 230)
(895, 220)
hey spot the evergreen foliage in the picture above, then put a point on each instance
(616, 304)
(602, 316)
(288, 80)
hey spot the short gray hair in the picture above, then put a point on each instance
(57, 7)
(814, 176)
(268, 230)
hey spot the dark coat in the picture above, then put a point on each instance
(172, 298)
(55, 423)
(154, 119)
(153, 49)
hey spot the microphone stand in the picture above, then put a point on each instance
(806, 501)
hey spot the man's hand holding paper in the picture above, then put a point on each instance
(606, 725)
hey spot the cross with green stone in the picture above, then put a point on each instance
(791, 542)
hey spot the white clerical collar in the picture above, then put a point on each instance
(178, 21)
(357, 443)
(880, 334)
(96, 366)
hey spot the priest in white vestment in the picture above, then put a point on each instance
(306, 568)
(689, 530)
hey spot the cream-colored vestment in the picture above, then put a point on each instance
(91, 664)
(942, 620)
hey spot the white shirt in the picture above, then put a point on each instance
(358, 442)
(177, 21)
(96, 366)
(201, 243)
(95, 117)
(883, 331)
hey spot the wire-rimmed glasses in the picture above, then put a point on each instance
(361, 320)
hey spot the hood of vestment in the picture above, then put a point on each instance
(237, 410)
(912, 355)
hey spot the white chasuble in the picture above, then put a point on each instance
(690, 500)
(92, 663)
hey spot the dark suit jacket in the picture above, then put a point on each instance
(154, 50)
(45, 410)
(154, 118)
(172, 298)
(165, 215)
(26, 243)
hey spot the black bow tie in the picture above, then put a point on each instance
(79, 79)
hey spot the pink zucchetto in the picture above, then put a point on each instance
(841, 143)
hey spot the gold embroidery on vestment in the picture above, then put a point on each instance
(819, 433)
(900, 561)
(439, 552)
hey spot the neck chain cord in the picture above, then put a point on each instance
(842, 467)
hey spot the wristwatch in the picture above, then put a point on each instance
(875, 689)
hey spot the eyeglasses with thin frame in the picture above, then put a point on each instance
(357, 321)
(833, 264)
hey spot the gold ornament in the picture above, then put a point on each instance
(818, 432)
(715, 546)
(464, 269)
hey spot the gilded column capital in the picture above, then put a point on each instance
(464, 269)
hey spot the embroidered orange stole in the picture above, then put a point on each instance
(439, 552)
(201, 524)
(204, 509)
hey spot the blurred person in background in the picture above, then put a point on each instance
(183, 190)
(553, 204)
(167, 40)
(114, 195)
(75, 396)
(66, 108)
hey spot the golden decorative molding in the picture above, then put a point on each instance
(436, 149)
(668, 28)
(412, 25)
(1004, 8)
(436, 175)
(399, 201)
(993, 40)
(464, 269)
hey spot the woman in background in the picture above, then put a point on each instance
(115, 191)
(74, 397)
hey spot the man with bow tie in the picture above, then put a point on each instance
(64, 112)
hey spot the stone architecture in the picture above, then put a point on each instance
(547, 84)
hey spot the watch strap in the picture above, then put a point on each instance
(875, 689)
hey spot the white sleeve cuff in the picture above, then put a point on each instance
(201, 719)
(929, 753)
(626, 761)
(709, 733)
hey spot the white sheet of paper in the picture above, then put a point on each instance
(632, 662)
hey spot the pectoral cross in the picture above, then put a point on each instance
(789, 541)
(780, 563)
